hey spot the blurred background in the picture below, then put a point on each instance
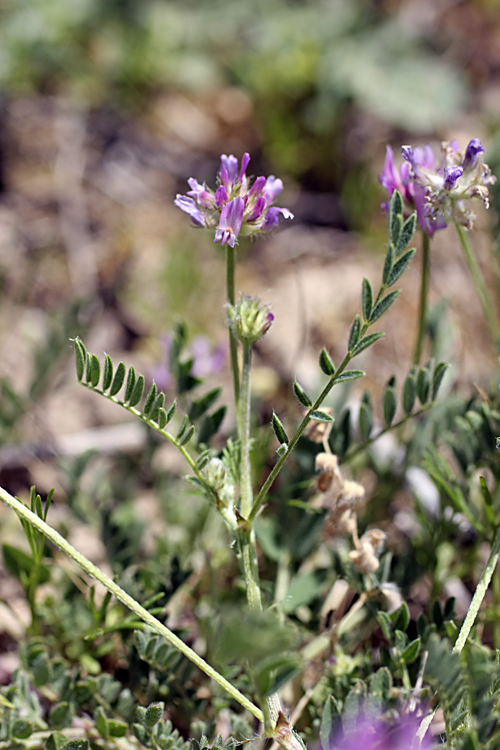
(107, 108)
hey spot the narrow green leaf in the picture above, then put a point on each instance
(211, 425)
(183, 427)
(151, 397)
(401, 265)
(409, 393)
(367, 299)
(389, 402)
(88, 369)
(350, 375)
(61, 715)
(400, 618)
(22, 729)
(80, 744)
(118, 379)
(137, 392)
(385, 624)
(319, 416)
(367, 341)
(169, 413)
(187, 435)
(95, 370)
(354, 333)
(108, 372)
(101, 722)
(423, 385)
(80, 358)
(301, 395)
(437, 378)
(326, 363)
(388, 264)
(162, 418)
(155, 409)
(384, 304)
(201, 405)
(365, 420)
(130, 384)
(395, 216)
(406, 234)
(117, 728)
(279, 430)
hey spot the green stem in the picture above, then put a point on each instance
(246, 493)
(424, 293)
(488, 308)
(233, 344)
(246, 535)
(128, 601)
(479, 594)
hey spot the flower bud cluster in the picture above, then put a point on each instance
(249, 319)
(236, 206)
(440, 190)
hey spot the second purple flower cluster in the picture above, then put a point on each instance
(439, 189)
(237, 206)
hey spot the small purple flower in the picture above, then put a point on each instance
(375, 734)
(439, 189)
(230, 222)
(236, 207)
(452, 175)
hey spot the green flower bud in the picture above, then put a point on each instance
(215, 473)
(249, 319)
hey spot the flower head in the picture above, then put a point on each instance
(439, 189)
(236, 206)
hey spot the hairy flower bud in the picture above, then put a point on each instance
(249, 319)
(215, 473)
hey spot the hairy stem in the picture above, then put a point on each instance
(424, 293)
(246, 536)
(479, 594)
(485, 300)
(128, 601)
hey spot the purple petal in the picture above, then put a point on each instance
(230, 164)
(272, 218)
(221, 196)
(230, 222)
(244, 164)
(389, 178)
(273, 187)
(189, 206)
(257, 187)
(200, 193)
(257, 210)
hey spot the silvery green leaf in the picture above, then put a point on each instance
(326, 363)
(354, 333)
(301, 395)
(367, 341)
(367, 299)
(406, 234)
(384, 304)
(279, 430)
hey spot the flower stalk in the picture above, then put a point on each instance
(92, 570)
(424, 294)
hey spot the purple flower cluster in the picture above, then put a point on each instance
(374, 734)
(439, 190)
(236, 207)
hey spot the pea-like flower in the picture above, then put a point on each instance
(237, 207)
(440, 190)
